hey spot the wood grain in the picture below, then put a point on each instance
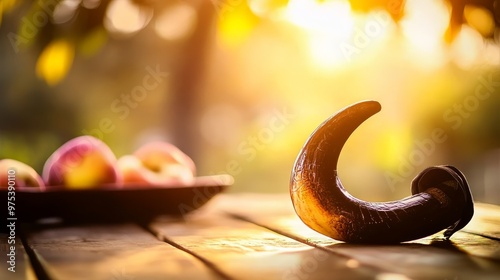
(118, 252)
(464, 256)
(486, 221)
(246, 251)
(252, 236)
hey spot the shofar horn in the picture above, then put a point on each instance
(441, 197)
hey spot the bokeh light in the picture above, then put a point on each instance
(65, 10)
(123, 17)
(480, 19)
(176, 22)
(55, 61)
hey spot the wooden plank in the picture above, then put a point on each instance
(424, 259)
(112, 252)
(464, 242)
(20, 268)
(466, 255)
(486, 221)
(242, 250)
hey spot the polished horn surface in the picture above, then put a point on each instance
(441, 197)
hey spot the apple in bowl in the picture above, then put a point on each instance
(81, 163)
(157, 164)
(17, 174)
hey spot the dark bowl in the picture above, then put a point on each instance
(111, 204)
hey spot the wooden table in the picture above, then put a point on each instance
(250, 236)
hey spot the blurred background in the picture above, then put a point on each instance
(239, 85)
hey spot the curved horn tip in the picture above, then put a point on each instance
(368, 104)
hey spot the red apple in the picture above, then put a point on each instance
(18, 175)
(81, 163)
(157, 163)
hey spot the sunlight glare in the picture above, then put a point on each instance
(328, 24)
(332, 16)
(267, 8)
(123, 17)
(424, 25)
